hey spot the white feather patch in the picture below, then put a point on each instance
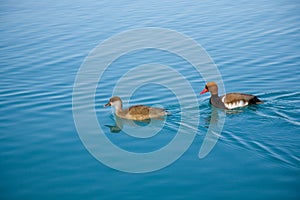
(235, 104)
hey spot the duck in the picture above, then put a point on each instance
(231, 100)
(137, 112)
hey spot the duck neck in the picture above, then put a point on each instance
(118, 105)
(214, 96)
(215, 99)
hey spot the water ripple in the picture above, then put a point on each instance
(279, 108)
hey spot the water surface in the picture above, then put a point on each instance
(255, 46)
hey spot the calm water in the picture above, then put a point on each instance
(255, 45)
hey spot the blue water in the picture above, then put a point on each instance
(255, 45)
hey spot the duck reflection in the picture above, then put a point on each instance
(140, 129)
(215, 123)
(120, 122)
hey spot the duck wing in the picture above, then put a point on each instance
(233, 100)
(233, 97)
(139, 110)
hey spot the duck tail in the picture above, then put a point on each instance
(167, 112)
(255, 100)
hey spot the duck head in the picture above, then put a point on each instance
(211, 87)
(115, 101)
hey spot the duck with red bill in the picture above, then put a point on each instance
(230, 100)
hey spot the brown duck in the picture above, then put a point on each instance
(138, 112)
(230, 100)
